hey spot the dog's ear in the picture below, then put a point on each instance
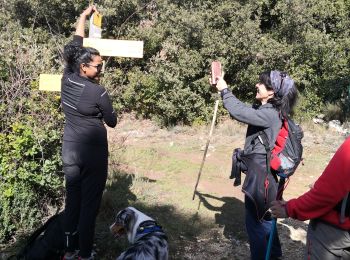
(125, 217)
(128, 219)
(122, 214)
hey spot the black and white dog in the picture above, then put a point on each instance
(148, 240)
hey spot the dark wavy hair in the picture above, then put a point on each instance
(283, 104)
(74, 55)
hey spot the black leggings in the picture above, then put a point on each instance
(85, 169)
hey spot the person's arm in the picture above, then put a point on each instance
(245, 113)
(80, 29)
(77, 41)
(106, 108)
(328, 190)
(241, 111)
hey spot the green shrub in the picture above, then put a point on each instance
(30, 179)
(31, 126)
(308, 106)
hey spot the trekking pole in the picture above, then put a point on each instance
(206, 146)
(274, 220)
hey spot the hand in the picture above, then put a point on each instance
(220, 83)
(88, 11)
(80, 29)
(278, 209)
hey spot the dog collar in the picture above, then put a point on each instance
(148, 229)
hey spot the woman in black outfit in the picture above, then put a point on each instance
(86, 105)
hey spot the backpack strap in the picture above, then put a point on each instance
(265, 142)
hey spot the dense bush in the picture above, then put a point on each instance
(31, 126)
(308, 39)
(30, 183)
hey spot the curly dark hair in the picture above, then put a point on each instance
(74, 55)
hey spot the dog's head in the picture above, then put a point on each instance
(127, 222)
(122, 222)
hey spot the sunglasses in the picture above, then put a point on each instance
(98, 67)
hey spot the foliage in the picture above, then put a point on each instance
(30, 182)
(31, 125)
(308, 39)
(30, 164)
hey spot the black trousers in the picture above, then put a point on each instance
(85, 169)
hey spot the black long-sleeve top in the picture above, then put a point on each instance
(85, 105)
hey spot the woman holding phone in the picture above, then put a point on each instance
(275, 97)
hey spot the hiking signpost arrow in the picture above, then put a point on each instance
(106, 47)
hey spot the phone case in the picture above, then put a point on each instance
(215, 71)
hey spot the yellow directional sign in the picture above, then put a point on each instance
(97, 19)
(106, 47)
(95, 30)
(50, 82)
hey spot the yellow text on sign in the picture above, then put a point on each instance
(97, 19)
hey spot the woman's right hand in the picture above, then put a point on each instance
(88, 11)
(220, 83)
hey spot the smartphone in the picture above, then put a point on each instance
(215, 71)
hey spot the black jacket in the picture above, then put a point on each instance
(85, 105)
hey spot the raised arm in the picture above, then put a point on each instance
(80, 29)
(242, 112)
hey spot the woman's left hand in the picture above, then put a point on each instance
(88, 11)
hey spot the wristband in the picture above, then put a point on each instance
(223, 92)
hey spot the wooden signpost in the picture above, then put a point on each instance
(106, 47)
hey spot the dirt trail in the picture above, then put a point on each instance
(171, 159)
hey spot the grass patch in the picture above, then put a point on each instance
(155, 171)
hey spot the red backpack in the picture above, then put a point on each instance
(287, 152)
